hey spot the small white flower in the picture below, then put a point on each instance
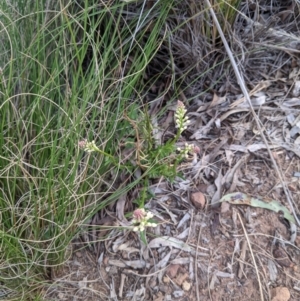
(141, 220)
(149, 215)
(181, 120)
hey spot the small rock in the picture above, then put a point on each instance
(78, 254)
(280, 294)
(292, 187)
(172, 270)
(186, 286)
(198, 199)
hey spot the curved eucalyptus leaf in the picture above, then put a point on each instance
(239, 198)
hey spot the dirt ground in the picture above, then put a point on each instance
(231, 261)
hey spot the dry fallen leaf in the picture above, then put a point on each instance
(272, 270)
(181, 278)
(166, 241)
(296, 89)
(172, 270)
(239, 198)
(218, 182)
(282, 257)
(159, 297)
(83, 283)
(135, 264)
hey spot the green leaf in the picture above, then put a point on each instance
(239, 198)
(143, 237)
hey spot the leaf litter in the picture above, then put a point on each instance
(212, 249)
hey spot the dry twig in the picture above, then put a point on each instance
(253, 259)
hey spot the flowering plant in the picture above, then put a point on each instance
(142, 219)
(88, 146)
(154, 160)
(181, 120)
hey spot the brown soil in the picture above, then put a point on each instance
(229, 253)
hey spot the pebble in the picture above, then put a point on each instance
(198, 200)
(280, 294)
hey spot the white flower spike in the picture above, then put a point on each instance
(181, 120)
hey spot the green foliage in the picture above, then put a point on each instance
(239, 198)
(66, 75)
(143, 237)
(226, 12)
(154, 159)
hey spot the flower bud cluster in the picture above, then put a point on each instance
(181, 120)
(141, 220)
(186, 150)
(189, 148)
(88, 146)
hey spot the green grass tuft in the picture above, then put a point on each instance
(68, 73)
